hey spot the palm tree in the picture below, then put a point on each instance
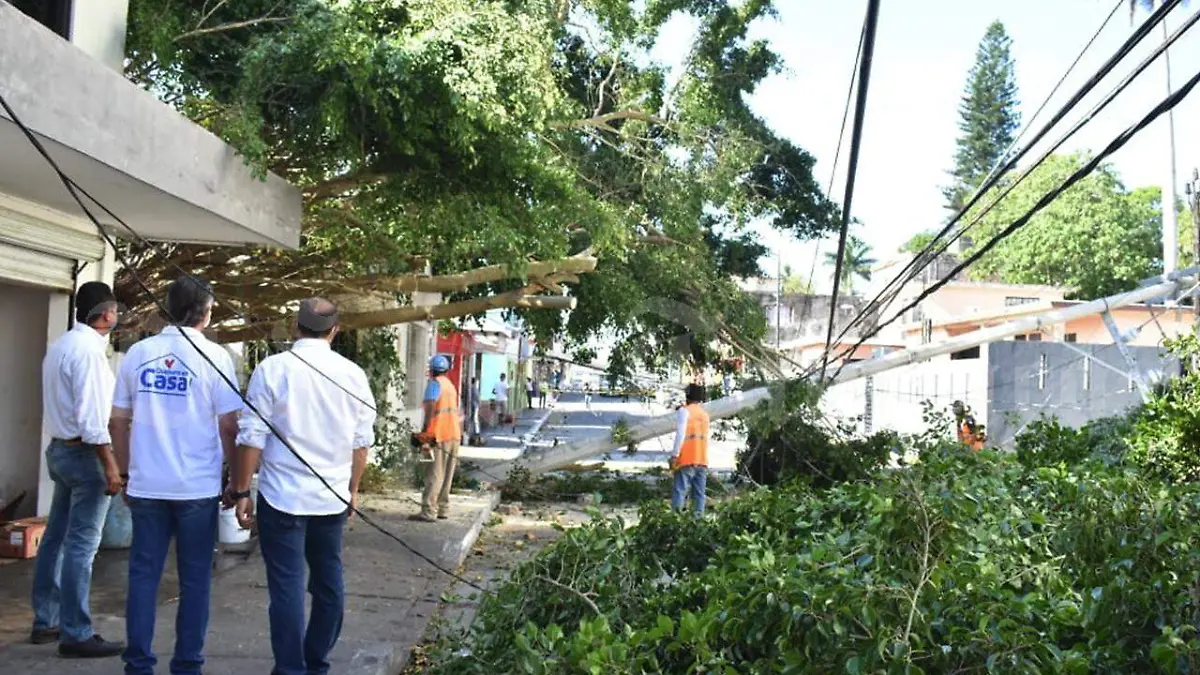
(857, 263)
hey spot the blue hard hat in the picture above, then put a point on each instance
(439, 364)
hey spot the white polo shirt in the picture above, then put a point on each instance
(176, 397)
(325, 422)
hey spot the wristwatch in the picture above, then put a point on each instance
(237, 496)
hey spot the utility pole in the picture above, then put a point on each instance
(1193, 196)
(1170, 223)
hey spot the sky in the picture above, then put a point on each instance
(923, 51)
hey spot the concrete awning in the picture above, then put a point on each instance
(165, 176)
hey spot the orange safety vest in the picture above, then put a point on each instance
(445, 423)
(694, 449)
(968, 437)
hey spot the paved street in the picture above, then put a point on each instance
(569, 419)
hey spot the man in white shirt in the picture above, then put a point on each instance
(500, 399)
(174, 421)
(77, 389)
(321, 403)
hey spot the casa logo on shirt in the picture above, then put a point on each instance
(166, 375)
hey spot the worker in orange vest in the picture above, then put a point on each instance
(689, 459)
(969, 432)
(444, 422)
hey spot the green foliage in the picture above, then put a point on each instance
(918, 242)
(789, 440)
(476, 132)
(964, 561)
(988, 115)
(1097, 238)
(1166, 438)
(611, 486)
(1046, 442)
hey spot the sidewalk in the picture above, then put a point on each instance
(390, 598)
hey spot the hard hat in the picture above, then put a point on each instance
(439, 364)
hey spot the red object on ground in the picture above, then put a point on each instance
(21, 538)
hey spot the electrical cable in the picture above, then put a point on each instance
(860, 107)
(837, 153)
(70, 185)
(923, 257)
(1117, 143)
(1086, 119)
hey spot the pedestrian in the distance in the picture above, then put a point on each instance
(174, 424)
(321, 403)
(500, 399)
(444, 422)
(473, 409)
(77, 391)
(531, 391)
(543, 392)
(587, 396)
(689, 459)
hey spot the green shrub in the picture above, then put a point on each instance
(962, 562)
(1046, 442)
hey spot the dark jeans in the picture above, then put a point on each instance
(62, 577)
(193, 523)
(690, 479)
(288, 543)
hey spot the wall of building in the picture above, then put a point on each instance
(1029, 379)
(1174, 322)
(23, 334)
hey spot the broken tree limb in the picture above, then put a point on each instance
(395, 315)
(549, 459)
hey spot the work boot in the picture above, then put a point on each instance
(44, 636)
(442, 515)
(422, 517)
(95, 648)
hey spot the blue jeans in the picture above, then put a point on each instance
(689, 478)
(288, 542)
(62, 576)
(193, 523)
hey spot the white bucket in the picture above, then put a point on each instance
(229, 532)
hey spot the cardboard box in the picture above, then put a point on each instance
(21, 538)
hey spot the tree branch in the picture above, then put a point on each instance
(605, 121)
(577, 593)
(233, 25)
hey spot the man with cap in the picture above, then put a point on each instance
(320, 403)
(77, 390)
(444, 423)
(174, 423)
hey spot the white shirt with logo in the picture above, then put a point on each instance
(321, 402)
(176, 396)
(77, 386)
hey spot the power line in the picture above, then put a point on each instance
(860, 108)
(837, 153)
(924, 256)
(71, 187)
(1170, 102)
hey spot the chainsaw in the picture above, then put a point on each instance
(423, 443)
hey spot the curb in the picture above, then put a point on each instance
(455, 552)
(388, 658)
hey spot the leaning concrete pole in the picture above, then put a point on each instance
(548, 459)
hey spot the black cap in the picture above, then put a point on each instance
(91, 299)
(317, 314)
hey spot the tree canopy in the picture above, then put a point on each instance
(857, 262)
(1097, 238)
(988, 116)
(466, 133)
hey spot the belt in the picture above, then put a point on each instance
(70, 441)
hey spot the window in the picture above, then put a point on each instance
(1069, 337)
(972, 353)
(1042, 372)
(53, 14)
(1015, 300)
(1035, 337)
(1019, 338)
(1087, 373)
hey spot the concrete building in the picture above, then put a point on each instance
(163, 175)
